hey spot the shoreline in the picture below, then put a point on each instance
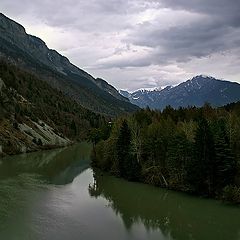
(219, 198)
(42, 148)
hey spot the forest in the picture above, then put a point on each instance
(194, 150)
(24, 98)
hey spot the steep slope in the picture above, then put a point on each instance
(33, 115)
(110, 89)
(194, 92)
(32, 54)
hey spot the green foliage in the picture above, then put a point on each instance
(105, 155)
(94, 135)
(127, 162)
(200, 170)
(179, 154)
(225, 162)
(190, 149)
(27, 96)
(231, 194)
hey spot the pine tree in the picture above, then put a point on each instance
(225, 162)
(128, 165)
(200, 170)
(179, 152)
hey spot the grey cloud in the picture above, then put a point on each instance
(217, 31)
(183, 42)
(109, 36)
(225, 10)
(88, 15)
(122, 64)
(206, 6)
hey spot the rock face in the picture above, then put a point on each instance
(194, 92)
(32, 54)
(19, 136)
(42, 134)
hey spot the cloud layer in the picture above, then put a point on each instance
(137, 43)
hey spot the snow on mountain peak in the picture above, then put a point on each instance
(203, 76)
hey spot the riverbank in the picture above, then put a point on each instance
(230, 194)
(28, 136)
(190, 150)
(41, 148)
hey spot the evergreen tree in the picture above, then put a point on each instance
(179, 152)
(128, 165)
(225, 162)
(200, 170)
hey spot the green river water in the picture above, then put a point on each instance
(55, 195)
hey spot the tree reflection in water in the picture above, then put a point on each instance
(176, 215)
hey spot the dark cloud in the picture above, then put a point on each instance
(216, 31)
(227, 10)
(181, 43)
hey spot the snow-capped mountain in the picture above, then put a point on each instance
(194, 92)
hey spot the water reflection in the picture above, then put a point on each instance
(59, 166)
(177, 216)
(50, 195)
(23, 178)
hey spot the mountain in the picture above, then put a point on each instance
(194, 92)
(110, 89)
(32, 54)
(34, 115)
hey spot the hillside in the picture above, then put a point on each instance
(32, 54)
(33, 115)
(194, 92)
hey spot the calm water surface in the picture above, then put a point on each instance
(55, 195)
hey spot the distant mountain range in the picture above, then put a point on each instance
(32, 54)
(194, 92)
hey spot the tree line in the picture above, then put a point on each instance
(195, 150)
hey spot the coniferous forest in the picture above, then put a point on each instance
(195, 150)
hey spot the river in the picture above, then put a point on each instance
(55, 195)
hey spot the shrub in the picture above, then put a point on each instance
(231, 194)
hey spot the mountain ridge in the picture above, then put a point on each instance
(32, 54)
(193, 92)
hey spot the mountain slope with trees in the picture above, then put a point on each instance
(32, 54)
(33, 115)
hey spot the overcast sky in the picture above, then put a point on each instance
(136, 43)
